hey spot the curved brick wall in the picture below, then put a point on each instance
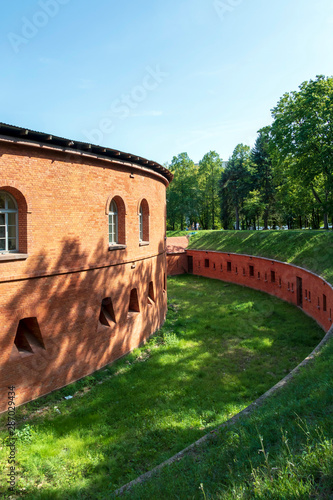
(54, 286)
(290, 283)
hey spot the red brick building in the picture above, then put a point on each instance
(82, 258)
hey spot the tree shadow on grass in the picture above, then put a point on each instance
(176, 384)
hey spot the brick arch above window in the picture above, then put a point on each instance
(145, 205)
(18, 191)
(22, 206)
(112, 196)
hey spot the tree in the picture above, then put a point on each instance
(210, 169)
(235, 181)
(302, 133)
(262, 172)
(181, 192)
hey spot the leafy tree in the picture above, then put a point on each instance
(209, 173)
(181, 192)
(262, 173)
(302, 132)
(235, 181)
(253, 207)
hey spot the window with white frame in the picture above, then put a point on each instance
(8, 223)
(141, 223)
(113, 223)
(144, 222)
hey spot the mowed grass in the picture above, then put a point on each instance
(312, 250)
(221, 347)
(282, 451)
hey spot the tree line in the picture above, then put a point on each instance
(285, 180)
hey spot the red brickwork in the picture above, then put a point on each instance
(290, 283)
(63, 203)
(177, 263)
(176, 255)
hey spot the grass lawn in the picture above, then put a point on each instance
(283, 451)
(310, 249)
(221, 347)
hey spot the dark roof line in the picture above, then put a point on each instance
(84, 147)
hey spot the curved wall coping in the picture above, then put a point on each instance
(92, 156)
(267, 259)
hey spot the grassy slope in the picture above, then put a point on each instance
(312, 250)
(285, 449)
(197, 372)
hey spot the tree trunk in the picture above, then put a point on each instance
(326, 221)
(213, 215)
(237, 218)
(266, 219)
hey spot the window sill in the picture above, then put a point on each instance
(143, 243)
(13, 256)
(117, 247)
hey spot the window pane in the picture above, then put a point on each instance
(2, 232)
(12, 244)
(11, 231)
(12, 219)
(2, 245)
(2, 200)
(2, 219)
(11, 204)
(113, 207)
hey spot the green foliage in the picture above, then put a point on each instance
(193, 194)
(302, 133)
(182, 191)
(263, 177)
(209, 173)
(286, 179)
(235, 182)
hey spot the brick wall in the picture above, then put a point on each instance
(290, 283)
(63, 227)
(176, 255)
(177, 263)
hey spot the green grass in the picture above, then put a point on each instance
(221, 347)
(310, 249)
(283, 451)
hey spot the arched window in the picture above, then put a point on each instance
(113, 223)
(8, 223)
(144, 222)
(141, 223)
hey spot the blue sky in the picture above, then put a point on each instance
(158, 78)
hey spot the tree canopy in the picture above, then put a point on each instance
(302, 133)
(285, 180)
